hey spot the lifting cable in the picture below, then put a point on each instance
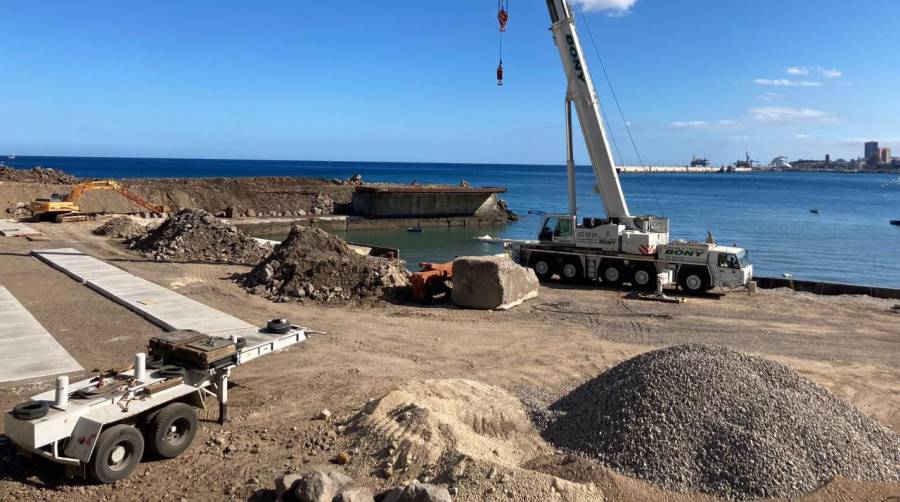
(616, 100)
(502, 18)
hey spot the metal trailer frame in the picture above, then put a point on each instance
(69, 431)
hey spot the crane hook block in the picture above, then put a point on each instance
(503, 18)
(500, 74)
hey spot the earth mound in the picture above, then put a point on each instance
(465, 434)
(196, 235)
(705, 418)
(313, 264)
(121, 227)
(37, 175)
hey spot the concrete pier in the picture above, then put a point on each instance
(424, 201)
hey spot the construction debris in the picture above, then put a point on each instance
(37, 175)
(492, 282)
(121, 227)
(705, 418)
(319, 484)
(196, 235)
(313, 264)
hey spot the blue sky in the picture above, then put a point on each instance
(414, 81)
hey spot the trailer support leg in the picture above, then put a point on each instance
(222, 395)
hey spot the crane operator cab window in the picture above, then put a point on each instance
(728, 260)
(557, 229)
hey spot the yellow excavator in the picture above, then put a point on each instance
(64, 207)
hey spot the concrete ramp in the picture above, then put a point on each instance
(161, 306)
(12, 228)
(27, 350)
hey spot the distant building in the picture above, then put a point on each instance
(871, 152)
(884, 155)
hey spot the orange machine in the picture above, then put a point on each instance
(64, 207)
(430, 283)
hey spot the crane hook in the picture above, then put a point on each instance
(500, 73)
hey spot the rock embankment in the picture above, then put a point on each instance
(37, 175)
(705, 418)
(121, 227)
(313, 264)
(196, 235)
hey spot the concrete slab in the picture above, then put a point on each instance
(161, 306)
(12, 228)
(27, 350)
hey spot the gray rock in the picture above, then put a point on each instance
(251, 213)
(285, 484)
(418, 492)
(492, 282)
(340, 479)
(315, 486)
(355, 495)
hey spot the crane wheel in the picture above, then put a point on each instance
(118, 451)
(543, 267)
(643, 277)
(612, 273)
(694, 281)
(571, 271)
(172, 430)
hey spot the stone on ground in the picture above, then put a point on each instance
(121, 227)
(355, 495)
(491, 282)
(418, 492)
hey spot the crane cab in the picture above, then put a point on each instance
(606, 234)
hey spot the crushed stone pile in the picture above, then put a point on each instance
(121, 227)
(37, 175)
(196, 235)
(472, 437)
(313, 264)
(705, 418)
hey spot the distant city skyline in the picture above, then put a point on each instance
(356, 81)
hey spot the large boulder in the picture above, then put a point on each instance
(492, 282)
(418, 492)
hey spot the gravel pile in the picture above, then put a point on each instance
(705, 418)
(37, 175)
(313, 264)
(196, 235)
(121, 227)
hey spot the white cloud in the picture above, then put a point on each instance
(797, 70)
(802, 136)
(788, 114)
(769, 96)
(703, 124)
(614, 6)
(831, 73)
(783, 82)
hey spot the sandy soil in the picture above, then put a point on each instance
(850, 345)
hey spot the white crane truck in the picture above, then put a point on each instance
(620, 248)
(99, 427)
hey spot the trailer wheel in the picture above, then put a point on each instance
(119, 450)
(612, 273)
(542, 266)
(571, 271)
(172, 430)
(694, 281)
(644, 277)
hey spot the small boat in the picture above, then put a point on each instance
(895, 222)
(814, 211)
(414, 229)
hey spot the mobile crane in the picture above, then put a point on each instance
(620, 248)
(64, 207)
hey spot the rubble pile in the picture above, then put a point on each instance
(322, 204)
(196, 235)
(121, 227)
(313, 264)
(37, 175)
(705, 418)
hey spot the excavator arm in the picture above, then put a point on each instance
(79, 190)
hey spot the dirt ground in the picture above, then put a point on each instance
(850, 345)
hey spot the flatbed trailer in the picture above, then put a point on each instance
(99, 427)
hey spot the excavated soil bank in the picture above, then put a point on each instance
(705, 418)
(196, 235)
(37, 175)
(313, 264)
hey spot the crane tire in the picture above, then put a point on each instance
(694, 281)
(612, 272)
(543, 266)
(29, 410)
(643, 277)
(571, 271)
(279, 326)
(171, 371)
(118, 451)
(172, 430)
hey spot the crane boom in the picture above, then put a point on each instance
(583, 95)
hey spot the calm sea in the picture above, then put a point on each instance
(850, 240)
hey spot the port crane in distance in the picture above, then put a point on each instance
(64, 207)
(620, 248)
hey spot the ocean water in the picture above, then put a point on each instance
(850, 240)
